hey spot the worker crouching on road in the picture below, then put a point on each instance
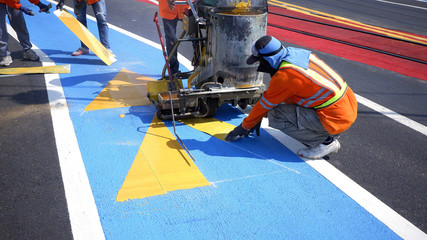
(306, 99)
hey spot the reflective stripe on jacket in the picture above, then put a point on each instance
(16, 3)
(317, 87)
(167, 13)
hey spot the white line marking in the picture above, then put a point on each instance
(401, 4)
(393, 115)
(84, 217)
(373, 205)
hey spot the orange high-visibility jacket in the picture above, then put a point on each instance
(317, 87)
(15, 3)
(167, 13)
(90, 2)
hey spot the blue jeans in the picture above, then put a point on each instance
(100, 11)
(17, 21)
(170, 38)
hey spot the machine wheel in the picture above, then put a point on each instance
(209, 107)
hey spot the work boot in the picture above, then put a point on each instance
(112, 54)
(81, 51)
(6, 60)
(29, 54)
(320, 151)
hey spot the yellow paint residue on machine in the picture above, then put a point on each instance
(85, 36)
(127, 89)
(161, 165)
(242, 7)
(211, 126)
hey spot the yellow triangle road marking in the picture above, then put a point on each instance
(161, 165)
(127, 89)
(211, 126)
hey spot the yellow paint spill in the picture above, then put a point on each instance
(161, 165)
(211, 126)
(127, 89)
(85, 36)
(122, 115)
(35, 70)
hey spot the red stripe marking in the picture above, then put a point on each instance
(402, 66)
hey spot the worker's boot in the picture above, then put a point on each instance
(320, 151)
(6, 60)
(29, 54)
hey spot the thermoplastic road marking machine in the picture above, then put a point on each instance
(222, 33)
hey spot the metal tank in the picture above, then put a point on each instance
(232, 27)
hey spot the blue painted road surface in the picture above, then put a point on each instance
(259, 189)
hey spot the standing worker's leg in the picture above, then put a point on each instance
(5, 58)
(17, 21)
(80, 11)
(304, 125)
(170, 37)
(100, 11)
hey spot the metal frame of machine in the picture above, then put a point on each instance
(222, 33)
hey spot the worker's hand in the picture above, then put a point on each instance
(171, 4)
(256, 128)
(237, 133)
(60, 5)
(26, 10)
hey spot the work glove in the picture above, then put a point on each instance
(60, 4)
(26, 10)
(256, 128)
(239, 132)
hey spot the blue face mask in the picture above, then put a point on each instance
(274, 53)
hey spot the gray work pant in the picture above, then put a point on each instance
(17, 21)
(298, 122)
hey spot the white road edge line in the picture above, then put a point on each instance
(84, 217)
(393, 115)
(401, 4)
(373, 205)
(381, 211)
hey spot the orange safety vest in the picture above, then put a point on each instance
(90, 2)
(167, 13)
(318, 87)
(15, 3)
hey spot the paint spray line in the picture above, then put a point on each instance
(262, 157)
(246, 177)
(81, 205)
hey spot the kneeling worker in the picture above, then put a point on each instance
(306, 99)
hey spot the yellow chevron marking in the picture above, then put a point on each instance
(125, 90)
